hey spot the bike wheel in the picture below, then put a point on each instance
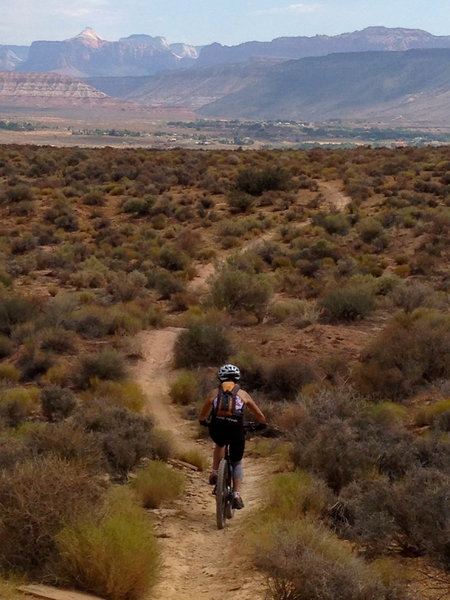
(229, 510)
(221, 494)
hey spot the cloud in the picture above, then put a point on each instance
(291, 9)
(83, 9)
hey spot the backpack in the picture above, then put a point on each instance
(225, 406)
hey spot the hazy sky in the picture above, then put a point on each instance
(204, 21)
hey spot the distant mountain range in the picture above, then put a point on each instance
(88, 55)
(404, 86)
(393, 74)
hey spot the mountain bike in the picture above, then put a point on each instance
(224, 486)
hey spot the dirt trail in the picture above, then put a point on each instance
(333, 197)
(200, 562)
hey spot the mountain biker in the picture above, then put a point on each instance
(229, 428)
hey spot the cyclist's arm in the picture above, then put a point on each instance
(259, 415)
(206, 408)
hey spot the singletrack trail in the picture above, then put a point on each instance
(199, 561)
(333, 196)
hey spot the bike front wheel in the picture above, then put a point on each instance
(222, 491)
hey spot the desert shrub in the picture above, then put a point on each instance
(13, 412)
(202, 343)
(369, 229)
(172, 258)
(285, 378)
(126, 437)
(127, 286)
(24, 243)
(305, 561)
(298, 313)
(235, 291)
(57, 339)
(156, 484)
(410, 295)
(255, 182)
(347, 303)
(114, 554)
(297, 493)
(432, 414)
(127, 394)
(165, 283)
(57, 402)
(18, 193)
(94, 198)
(184, 390)
(411, 350)
(106, 365)
(334, 223)
(12, 450)
(383, 513)
(33, 362)
(240, 202)
(138, 207)
(38, 498)
(9, 373)
(14, 310)
(62, 215)
(68, 442)
(193, 456)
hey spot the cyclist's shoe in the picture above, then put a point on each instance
(212, 478)
(237, 501)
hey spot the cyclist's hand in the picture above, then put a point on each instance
(204, 423)
(260, 426)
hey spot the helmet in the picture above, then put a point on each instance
(228, 373)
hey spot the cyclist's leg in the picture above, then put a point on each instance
(237, 447)
(218, 454)
(219, 451)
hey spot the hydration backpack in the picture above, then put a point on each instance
(225, 404)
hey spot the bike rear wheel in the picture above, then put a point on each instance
(222, 492)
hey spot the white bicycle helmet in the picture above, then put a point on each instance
(229, 373)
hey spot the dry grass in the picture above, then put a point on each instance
(157, 484)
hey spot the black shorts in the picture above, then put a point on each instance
(224, 432)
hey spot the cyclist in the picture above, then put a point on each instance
(226, 426)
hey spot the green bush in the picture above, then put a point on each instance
(156, 484)
(412, 350)
(347, 303)
(138, 207)
(38, 498)
(115, 555)
(68, 442)
(297, 493)
(202, 343)
(106, 365)
(233, 290)
(14, 310)
(57, 402)
(285, 378)
(255, 182)
(125, 436)
(184, 390)
(305, 561)
(240, 202)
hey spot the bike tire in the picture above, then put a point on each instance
(221, 494)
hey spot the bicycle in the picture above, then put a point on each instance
(224, 487)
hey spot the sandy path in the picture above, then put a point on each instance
(200, 562)
(334, 197)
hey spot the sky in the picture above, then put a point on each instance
(202, 22)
